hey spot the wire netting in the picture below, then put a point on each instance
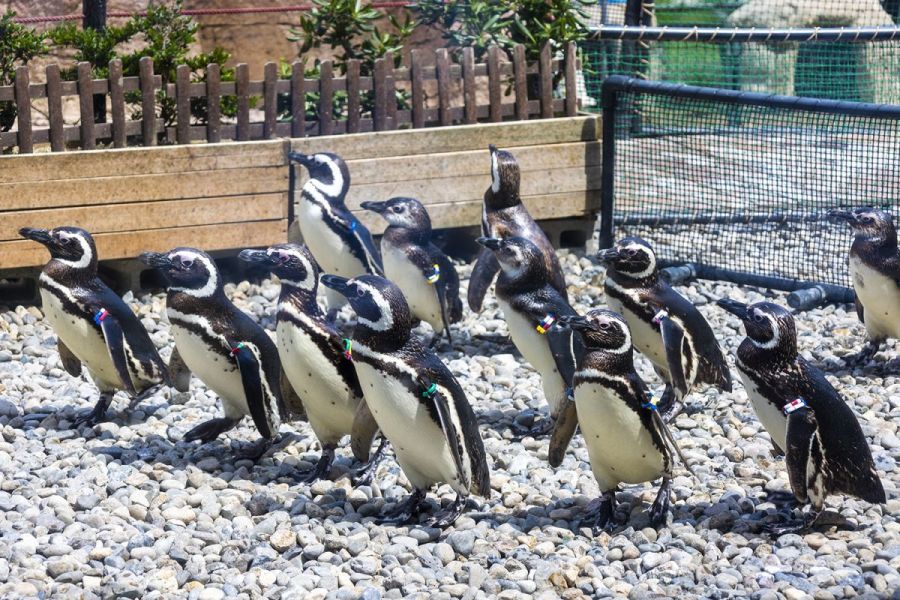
(746, 186)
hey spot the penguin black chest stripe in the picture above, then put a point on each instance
(630, 299)
(70, 303)
(201, 328)
(333, 222)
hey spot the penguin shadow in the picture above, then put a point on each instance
(64, 417)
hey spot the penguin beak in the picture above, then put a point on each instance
(576, 322)
(608, 255)
(738, 309)
(337, 283)
(490, 243)
(492, 148)
(375, 207)
(257, 256)
(303, 159)
(843, 215)
(157, 260)
(41, 236)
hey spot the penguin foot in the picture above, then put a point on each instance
(450, 515)
(541, 428)
(323, 466)
(96, 414)
(780, 497)
(669, 406)
(366, 473)
(210, 430)
(793, 526)
(659, 510)
(863, 356)
(254, 450)
(407, 510)
(598, 515)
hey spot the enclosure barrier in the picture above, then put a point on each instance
(738, 184)
(286, 104)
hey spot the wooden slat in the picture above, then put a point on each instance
(25, 253)
(242, 79)
(183, 104)
(213, 103)
(23, 111)
(326, 98)
(521, 82)
(148, 102)
(298, 100)
(417, 100)
(494, 83)
(270, 104)
(546, 82)
(54, 108)
(390, 108)
(353, 99)
(469, 90)
(117, 103)
(86, 105)
(442, 66)
(571, 88)
(381, 92)
(143, 188)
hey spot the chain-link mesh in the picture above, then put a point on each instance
(746, 186)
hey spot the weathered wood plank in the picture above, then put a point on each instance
(270, 105)
(54, 108)
(326, 98)
(213, 103)
(469, 90)
(546, 75)
(494, 97)
(379, 114)
(142, 188)
(520, 70)
(150, 215)
(86, 105)
(23, 111)
(298, 100)
(442, 64)
(25, 253)
(117, 103)
(148, 102)
(353, 99)
(242, 81)
(183, 103)
(418, 90)
(571, 88)
(390, 108)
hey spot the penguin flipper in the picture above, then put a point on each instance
(354, 227)
(673, 339)
(801, 427)
(666, 434)
(363, 432)
(483, 273)
(69, 361)
(115, 345)
(179, 373)
(450, 283)
(563, 429)
(442, 410)
(292, 401)
(252, 381)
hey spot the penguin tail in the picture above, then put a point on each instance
(873, 492)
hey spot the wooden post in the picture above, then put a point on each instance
(54, 108)
(442, 65)
(213, 103)
(148, 102)
(298, 100)
(270, 99)
(571, 88)
(353, 100)
(117, 102)
(521, 82)
(24, 139)
(326, 98)
(546, 73)
(390, 115)
(494, 83)
(418, 89)
(183, 104)
(86, 104)
(379, 82)
(469, 95)
(242, 85)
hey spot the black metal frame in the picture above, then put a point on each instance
(720, 34)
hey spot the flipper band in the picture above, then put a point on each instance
(348, 348)
(660, 316)
(435, 274)
(546, 323)
(353, 225)
(237, 348)
(428, 393)
(651, 403)
(101, 314)
(793, 405)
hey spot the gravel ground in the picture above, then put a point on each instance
(125, 509)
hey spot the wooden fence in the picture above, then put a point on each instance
(289, 105)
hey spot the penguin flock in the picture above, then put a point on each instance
(378, 379)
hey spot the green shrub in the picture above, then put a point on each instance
(18, 45)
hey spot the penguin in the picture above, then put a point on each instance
(420, 269)
(531, 305)
(665, 326)
(626, 438)
(340, 243)
(875, 271)
(221, 345)
(312, 356)
(418, 404)
(503, 215)
(824, 446)
(95, 328)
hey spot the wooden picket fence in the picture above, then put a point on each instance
(516, 90)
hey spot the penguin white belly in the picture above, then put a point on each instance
(647, 340)
(327, 400)
(536, 350)
(769, 415)
(621, 449)
(220, 374)
(880, 297)
(421, 295)
(85, 342)
(418, 441)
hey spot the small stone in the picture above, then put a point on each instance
(462, 541)
(282, 539)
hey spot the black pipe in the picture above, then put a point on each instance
(608, 100)
(718, 34)
(736, 219)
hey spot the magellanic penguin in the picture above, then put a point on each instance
(221, 345)
(626, 438)
(418, 404)
(503, 215)
(825, 449)
(875, 271)
(420, 269)
(338, 241)
(531, 307)
(665, 326)
(94, 326)
(313, 358)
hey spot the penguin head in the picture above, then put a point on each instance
(869, 224)
(632, 257)
(188, 270)
(407, 213)
(504, 190)
(293, 263)
(601, 329)
(379, 305)
(518, 256)
(768, 325)
(70, 246)
(328, 173)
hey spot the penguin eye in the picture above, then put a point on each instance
(868, 220)
(757, 317)
(604, 325)
(630, 252)
(186, 263)
(397, 209)
(360, 292)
